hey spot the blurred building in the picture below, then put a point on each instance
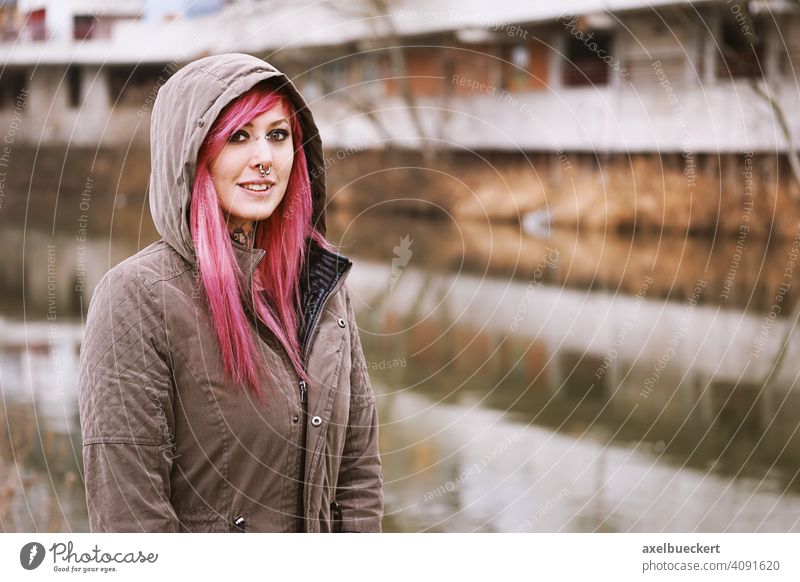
(63, 21)
(172, 9)
(578, 75)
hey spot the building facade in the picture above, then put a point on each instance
(611, 77)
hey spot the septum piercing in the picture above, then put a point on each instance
(261, 169)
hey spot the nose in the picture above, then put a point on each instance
(262, 153)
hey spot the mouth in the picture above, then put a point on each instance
(258, 186)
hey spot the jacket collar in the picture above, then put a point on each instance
(323, 272)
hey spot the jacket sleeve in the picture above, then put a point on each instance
(360, 485)
(126, 409)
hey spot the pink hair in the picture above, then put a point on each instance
(282, 235)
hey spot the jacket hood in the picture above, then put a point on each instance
(184, 110)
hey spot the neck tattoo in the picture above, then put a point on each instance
(242, 236)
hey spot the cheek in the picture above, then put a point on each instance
(222, 171)
(221, 180)
(287, 158)
(225, 167)
(219, 187)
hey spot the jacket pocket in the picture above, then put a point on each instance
(202, 521)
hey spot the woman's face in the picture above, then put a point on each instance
(240, 186)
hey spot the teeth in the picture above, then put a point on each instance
(256, 187)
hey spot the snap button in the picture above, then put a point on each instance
(295, 418)
(260, 69)
(341, 322)
(180, 179)
(200, 123)
(316, 421)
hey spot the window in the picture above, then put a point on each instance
(587, 57)
(12, 83)
(74, 77)
(525, 66)
(132, 86)
(741, 51)
(516, 64)
(336, 73)
(84, 27)
(36, 25)
(371, 78)
(8, 21)
(424, 68)
(520, 56)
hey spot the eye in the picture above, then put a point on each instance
(238, 137)
(278, 135)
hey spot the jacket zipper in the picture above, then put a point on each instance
(251, 301)
(301, 518)
(301, 506)
(336, 517)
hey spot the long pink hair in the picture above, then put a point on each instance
(282, 235)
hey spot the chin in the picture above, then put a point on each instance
(253, 213)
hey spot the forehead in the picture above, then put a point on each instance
(275, 115)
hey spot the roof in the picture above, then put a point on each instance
(251, 28)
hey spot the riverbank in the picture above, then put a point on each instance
(741, 196)
(732, 195)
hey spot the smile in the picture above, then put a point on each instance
(255, 187)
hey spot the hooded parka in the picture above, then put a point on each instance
(169, 444)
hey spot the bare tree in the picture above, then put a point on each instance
(387, 39)
(765, 85)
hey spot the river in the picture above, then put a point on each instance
(581, 382)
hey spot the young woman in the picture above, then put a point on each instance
(223, 384)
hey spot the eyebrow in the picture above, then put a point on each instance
(273, 124)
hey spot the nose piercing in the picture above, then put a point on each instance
(261, 169)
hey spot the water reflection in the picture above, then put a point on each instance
(462, 467)
(579, 383)
(653, 400)
(40, 444)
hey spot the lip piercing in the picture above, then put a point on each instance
(264, 173)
